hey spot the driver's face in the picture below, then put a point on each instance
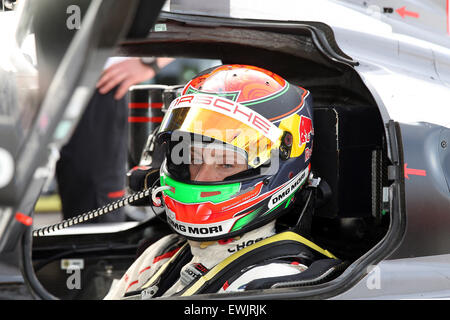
(211, 164)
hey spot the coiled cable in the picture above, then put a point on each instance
(93, 213)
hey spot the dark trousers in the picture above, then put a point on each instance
(92, 168)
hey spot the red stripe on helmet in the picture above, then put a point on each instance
(207, 212)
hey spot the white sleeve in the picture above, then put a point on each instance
(142, 269)
(114, 60)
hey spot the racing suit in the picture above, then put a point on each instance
(205, 255)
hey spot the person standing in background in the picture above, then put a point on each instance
(92, 168)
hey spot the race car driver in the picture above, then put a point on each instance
(238, 146)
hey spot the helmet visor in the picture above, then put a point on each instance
(221, 120)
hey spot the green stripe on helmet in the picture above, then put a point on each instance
(249, 217)
(245, 220)
(191, 193)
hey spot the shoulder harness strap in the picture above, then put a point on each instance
(283, 244)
